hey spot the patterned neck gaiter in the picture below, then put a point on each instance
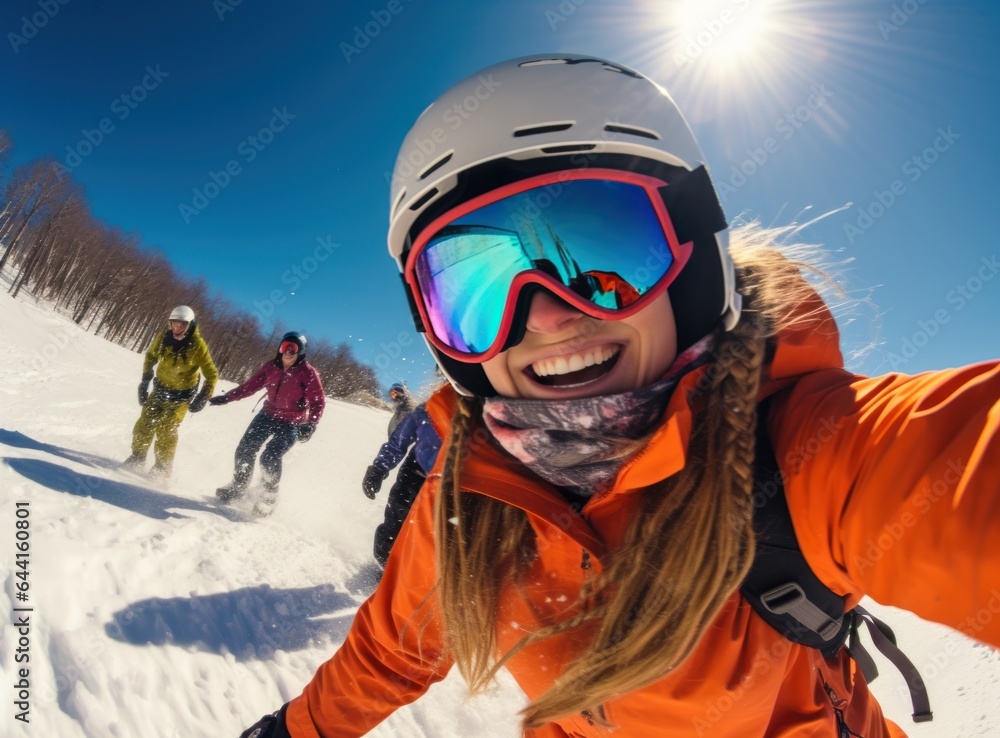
(582, 443)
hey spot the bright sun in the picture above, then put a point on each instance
(720, 32)
(731, 54)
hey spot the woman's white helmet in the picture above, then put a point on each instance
(182, 312)
(550, 112)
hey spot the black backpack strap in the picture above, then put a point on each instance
(783, 590)
(885, 641)
(780, 586)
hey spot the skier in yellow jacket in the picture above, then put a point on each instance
(179, 355)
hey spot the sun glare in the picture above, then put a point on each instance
(761, 70)
(720, 32)
(735, 55)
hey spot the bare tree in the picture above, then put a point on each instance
(6, 148)
(64, 208)
(34, 189)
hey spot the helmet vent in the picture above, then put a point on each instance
(540, 62)
(426, 198)
(619, 70)
(436, 165)
(399, 200)
(547, 128)
(569, 148)
(632, 131)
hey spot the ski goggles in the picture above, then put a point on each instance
(289, 347)
(599, 239)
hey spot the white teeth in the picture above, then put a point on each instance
(573, 362)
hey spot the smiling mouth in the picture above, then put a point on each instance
(574, 369)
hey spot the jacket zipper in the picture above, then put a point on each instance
(277, 388)
(843, 731)
(588, 568)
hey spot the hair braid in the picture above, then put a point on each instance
(480, 542)
(684, 554)
(734, 403)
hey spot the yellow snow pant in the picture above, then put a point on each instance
(160, 418)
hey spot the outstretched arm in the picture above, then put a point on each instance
(393, 652)
(893, 483)
(249, 387)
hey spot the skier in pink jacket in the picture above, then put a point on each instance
(294, 405)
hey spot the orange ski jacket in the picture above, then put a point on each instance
(892, 483)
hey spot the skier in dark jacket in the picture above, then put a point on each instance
(404, 404)
(415, 434)
(294, 405)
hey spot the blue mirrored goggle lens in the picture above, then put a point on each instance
(602, 239)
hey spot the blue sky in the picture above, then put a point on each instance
(251, 142)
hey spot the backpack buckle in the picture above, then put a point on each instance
(790, 599)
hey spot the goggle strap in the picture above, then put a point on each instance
(418, 322)
(694, 205)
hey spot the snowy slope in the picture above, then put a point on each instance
(157, 612)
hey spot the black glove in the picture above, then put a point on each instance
(144, 388)
(373, 481)
(198, 403)
(269, 726)
(305, 431)
(218, 400)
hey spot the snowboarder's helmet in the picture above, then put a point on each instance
(182, 312)
(294, 337)
(552, 113)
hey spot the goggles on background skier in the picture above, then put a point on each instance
(290, 347)
(599, 239)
